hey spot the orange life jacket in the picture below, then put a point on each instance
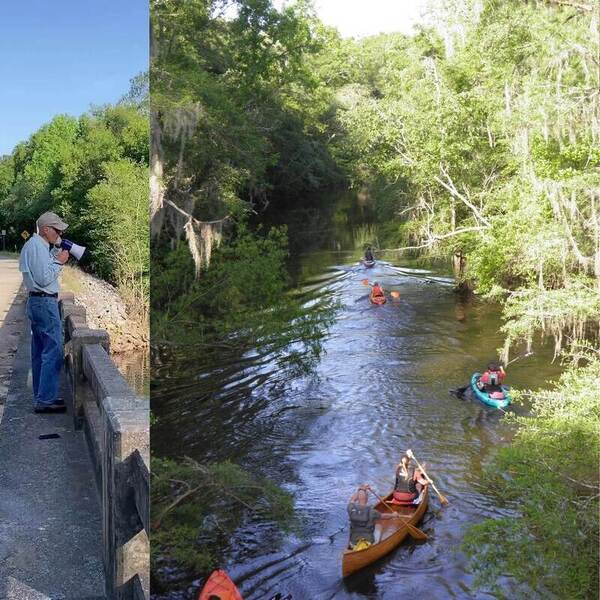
(377, 291)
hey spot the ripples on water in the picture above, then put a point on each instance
(380, 388)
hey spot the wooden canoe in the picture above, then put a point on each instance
(219, 585)
(379, 300)
(392, 535)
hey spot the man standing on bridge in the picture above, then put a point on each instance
(41, 267)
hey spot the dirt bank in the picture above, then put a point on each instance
(106, 309)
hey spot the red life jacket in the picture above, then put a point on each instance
(493, 377)
(377, 291)
(406, 497)
(403, 497)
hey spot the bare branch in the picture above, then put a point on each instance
(189, 216)
(436, 238)
(450, 187)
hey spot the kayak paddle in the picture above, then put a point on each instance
(518, 358)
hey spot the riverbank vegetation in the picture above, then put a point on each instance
(475, 140)
(549, 476)
(196, 508)
(230, 132)
(93, 171)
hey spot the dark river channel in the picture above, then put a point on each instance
(381, 386)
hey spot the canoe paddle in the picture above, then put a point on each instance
(414, 531)
(442, 498)
(393, 294)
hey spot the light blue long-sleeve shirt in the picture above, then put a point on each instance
(39, 268)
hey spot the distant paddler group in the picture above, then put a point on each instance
(377, 530)
(377, 295)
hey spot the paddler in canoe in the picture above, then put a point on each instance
(377, 531)
(363, 530)
(409, 482)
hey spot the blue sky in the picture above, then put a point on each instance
(62, 56)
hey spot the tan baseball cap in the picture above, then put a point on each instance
(51, 219)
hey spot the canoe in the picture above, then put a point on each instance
(368, 263)
(379, 300)
(392, 535)
(220, 585)
(485, 397)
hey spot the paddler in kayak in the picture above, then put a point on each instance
(492, 379)
(377, 290)
(490, 382)
(369, 255)
(363, 530)
(409, 482)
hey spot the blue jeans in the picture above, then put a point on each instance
(46, 348)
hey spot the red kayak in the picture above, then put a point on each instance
(379, 300)
(219, 587)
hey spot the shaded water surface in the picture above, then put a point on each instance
(381, 387)
(135, 367)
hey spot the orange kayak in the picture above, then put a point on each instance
(219, 586)
(377, 299)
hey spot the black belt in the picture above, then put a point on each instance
(43, 295)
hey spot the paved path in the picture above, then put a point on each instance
(10, 281)
(12, 313)
(50, 519)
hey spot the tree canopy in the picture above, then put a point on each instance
(93, 171)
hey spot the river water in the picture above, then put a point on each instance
(135, 367)
(382, 386)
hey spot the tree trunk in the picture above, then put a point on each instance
(157, 188)
(459, 266)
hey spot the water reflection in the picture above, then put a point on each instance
(135, 367)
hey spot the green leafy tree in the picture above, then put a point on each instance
(93, 171)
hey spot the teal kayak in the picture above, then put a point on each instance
(485, 397)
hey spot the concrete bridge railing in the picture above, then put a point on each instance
(116, 425)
